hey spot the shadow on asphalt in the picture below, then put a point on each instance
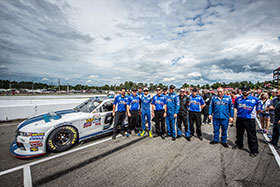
(84, 163)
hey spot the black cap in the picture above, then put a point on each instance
(164, 89)
(134, 89)
(194, 89)
(245, 88)
(171, 87)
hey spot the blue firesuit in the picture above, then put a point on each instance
(145, 111)
(173, 106)
(221, 110)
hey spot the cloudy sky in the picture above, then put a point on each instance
(111, 41)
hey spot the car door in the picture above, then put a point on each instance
(107, 115)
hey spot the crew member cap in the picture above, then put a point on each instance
(171, 87)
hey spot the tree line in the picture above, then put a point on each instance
(6, 84)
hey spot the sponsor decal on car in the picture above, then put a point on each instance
(36, 144)
(88, 122)
(37, 134)
(33, 149)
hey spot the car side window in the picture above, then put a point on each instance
(107, 107)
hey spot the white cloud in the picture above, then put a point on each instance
(194, 74)
(93, 76)
(89, 81)
(45, 79)
(169, 79)
(189, 41)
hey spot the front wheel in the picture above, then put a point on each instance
(62, 138)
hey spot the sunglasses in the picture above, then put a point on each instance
(182, 91)
(145, 90)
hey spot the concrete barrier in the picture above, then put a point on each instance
(24, 111)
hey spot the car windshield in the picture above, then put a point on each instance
(89, 105)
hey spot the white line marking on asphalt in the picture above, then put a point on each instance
(27, 179)
(276, 155)
(52, 157)
(7, 125)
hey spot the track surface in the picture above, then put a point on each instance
(146, 161)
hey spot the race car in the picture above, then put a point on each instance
(59, 130)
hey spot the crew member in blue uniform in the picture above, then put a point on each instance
(133, 109)
(173, 106)
(247, 108)
(119, 110)
(196, 105)
(221, 110)
(146, 100)
(159, 112)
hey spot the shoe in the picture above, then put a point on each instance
(143, 133)
(123, 133)
(200, 137)
(179, 136)
(150, 134)
(173, 138)
(113, 137)
(225, 144)
(127, 135)
(253, 155)
(213, 142)
(162, 136)
(264, 131)
(236, 147)
(139, 134)
(188, 138)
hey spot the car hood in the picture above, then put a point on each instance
(46, 118)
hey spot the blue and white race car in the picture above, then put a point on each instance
(59, 130)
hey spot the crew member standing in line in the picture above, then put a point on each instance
(196, 105)
(146, 112)
(183, 115)
(119, 110)
(221, 110)
(173, 106)
(275, 106)
(159, 112)
(133, 107)
(247, 108)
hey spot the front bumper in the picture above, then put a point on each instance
(19, 153)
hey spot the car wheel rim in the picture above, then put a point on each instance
(62, 138)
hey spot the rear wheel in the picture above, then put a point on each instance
(62, 138)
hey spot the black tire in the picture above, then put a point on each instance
(62, 138)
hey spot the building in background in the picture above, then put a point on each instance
(276, 77)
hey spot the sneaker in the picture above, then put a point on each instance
(200, 137)
(179, 136)
(150, 134)
(142, 133)
(253, 155)
(225, 144)
(127, 135)
(260, 130)
(114, 137)
(213, 142)
(264, 131)
(162, 136)
(123, 133)
(236, 147)
(188, 138)
(173, 138)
